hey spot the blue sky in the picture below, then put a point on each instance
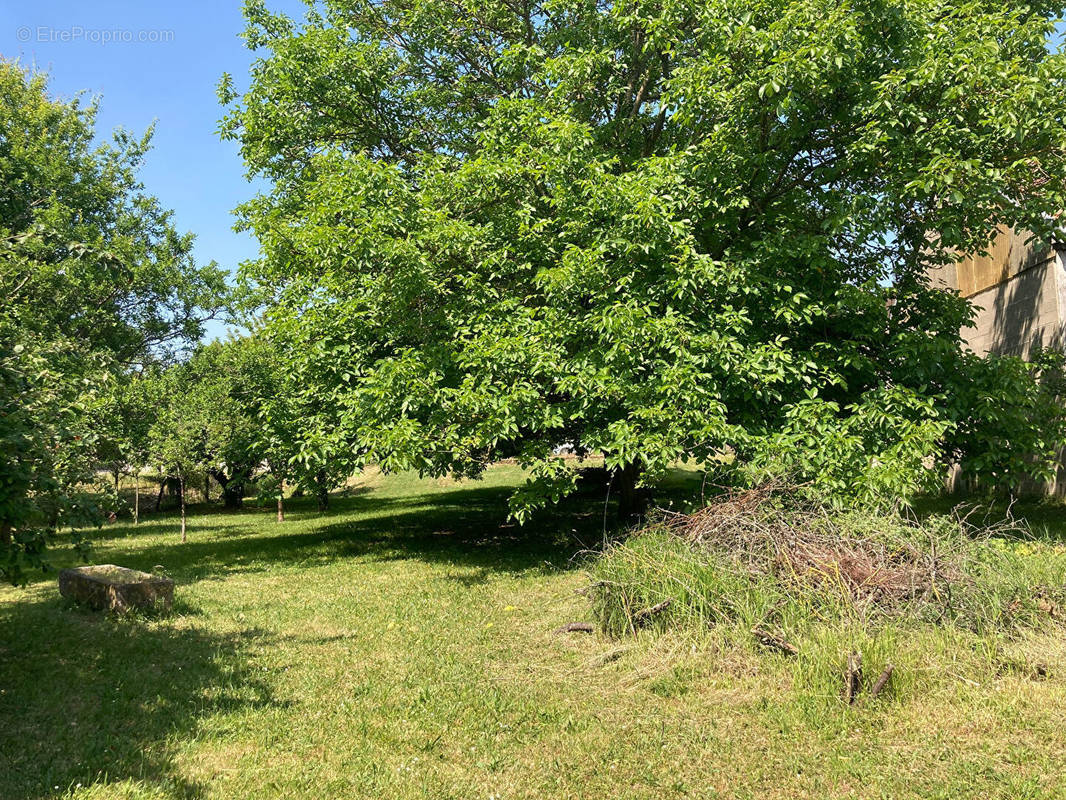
(169, 78)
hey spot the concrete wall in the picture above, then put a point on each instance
(1020, 313)
(1019, 291)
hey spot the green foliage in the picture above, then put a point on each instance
(878, 450)
(47, 453)
(124, 418)
(97, 284)
(236, 411)
(1011, 421)
(659, 231)
(209, 422)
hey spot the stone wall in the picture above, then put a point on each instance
(1021, 313)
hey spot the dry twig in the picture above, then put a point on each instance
(645, 614)
(576, 627)
(775, 642)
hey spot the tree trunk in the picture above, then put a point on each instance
(233, 495)
(136, 496)
(281, 506)
(181, 481)
(232, 489)
(162, 488)
(632, 502)
(322, 490)
(207, 488)
(5, 533)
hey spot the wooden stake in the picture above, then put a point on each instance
(181, 486)
(882, 681)
(853, 678)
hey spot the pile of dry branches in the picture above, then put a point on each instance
(767, 531)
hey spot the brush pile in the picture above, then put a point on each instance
(767, 556)
(767, 532)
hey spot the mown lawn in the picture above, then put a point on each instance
(401, 645)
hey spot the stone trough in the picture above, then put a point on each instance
(107, 587)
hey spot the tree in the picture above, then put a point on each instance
(656, 231)
(233, 411)
(298, 421)
(277, 423)
(288, 429)
(96, 282)
(123, 421)
(177, 438)
(211, 422)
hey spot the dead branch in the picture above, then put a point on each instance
(576, 627)
(645, 614)
(775, 642)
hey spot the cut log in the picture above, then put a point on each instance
(882, 681)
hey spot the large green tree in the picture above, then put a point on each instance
(95, 283)
(658, 230)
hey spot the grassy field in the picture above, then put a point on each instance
(401, 645)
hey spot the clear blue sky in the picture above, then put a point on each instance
(162, 65)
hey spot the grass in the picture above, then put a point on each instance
(401, 646)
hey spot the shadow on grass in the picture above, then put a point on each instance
(465, 527)
(1044, 517)
(89, 699)
(296, 508)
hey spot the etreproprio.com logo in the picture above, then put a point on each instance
(79, 33)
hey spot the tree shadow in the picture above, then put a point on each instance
(466, 527)
(87, 698)
(91, 699)
(295, 507)
(1024, 313)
